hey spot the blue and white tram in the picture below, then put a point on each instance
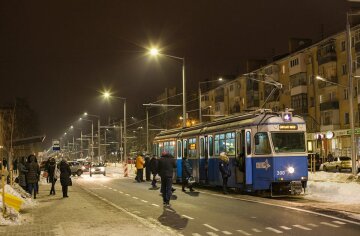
(266, 149)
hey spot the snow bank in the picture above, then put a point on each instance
(340, 188)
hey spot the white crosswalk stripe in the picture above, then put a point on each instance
(195, 234)
(256, 230)
(301, 227)
(328, 224)
(312, 225)
(339, 222)
(274, 230)
(212, 234)
(284, 227)
(210, 227)
(227, 232)
(243, 232)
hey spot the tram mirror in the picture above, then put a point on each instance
(257, 141)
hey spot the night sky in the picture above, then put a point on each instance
(60, 54)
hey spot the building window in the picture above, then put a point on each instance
(294, 62)
(343, 47)
(326, 118)
(344, 69)
(346, 94)
(299, 102)
(347, 118)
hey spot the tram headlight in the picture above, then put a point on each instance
(291, 170)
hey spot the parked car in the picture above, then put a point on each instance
(98, 168)
(338, 164)
(76, 168)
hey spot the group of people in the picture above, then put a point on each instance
(164, 167)
(28, 171)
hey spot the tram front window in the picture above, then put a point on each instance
(288, 142)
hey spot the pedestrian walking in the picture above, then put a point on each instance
(147, 167)
(52, 169)
(139, 164)
(22, 173)
(65, 174)
(153, 165)
(186, 174)
(167, 163)
(225, 170)
(32, 176)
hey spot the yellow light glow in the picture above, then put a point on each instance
(106, 94)
(154, 52)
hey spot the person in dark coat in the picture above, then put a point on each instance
(186, 174)
(32, 176)
(65, 174)
(167, 164)
(153, 165)
(15, 164)
(224, 170)
(147, 167)
(51, 168)
(22, 172)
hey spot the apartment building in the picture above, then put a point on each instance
(324, 105)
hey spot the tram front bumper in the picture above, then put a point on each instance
(296, 187)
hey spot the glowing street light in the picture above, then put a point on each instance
(155, 52)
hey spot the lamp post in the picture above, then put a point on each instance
(351, 116)
(107, 95)
(155, 52)
(200, 83)
(98, 117)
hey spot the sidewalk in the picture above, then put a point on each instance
(80, 214)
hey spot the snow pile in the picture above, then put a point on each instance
(339, 188)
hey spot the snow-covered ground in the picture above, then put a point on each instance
(340, 188)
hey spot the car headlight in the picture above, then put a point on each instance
(291, 170)
(92, 169)
(83, 167)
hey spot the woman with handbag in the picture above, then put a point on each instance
(52, 169)
(65, 174)
(186, 174)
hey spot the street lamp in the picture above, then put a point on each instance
(107, 95)
(351, 116)
(200, 83)
(156, 52)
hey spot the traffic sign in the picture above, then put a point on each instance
(56, 145)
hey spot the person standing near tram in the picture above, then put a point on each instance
(224, 170)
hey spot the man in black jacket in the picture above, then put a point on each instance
(167, 164)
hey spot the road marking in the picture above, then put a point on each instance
(274, 230)
(243, 232)
(284, 227)
(256, 230)
(212, 234)
(120, 191)
(188, 217)
(227, 232)
(301, 227)
(313, 225)
(328, 224)
(196, 234)
(127, 194)
(144, 201)
(339, 222)
(210, 227)
(155, 205)
(110, 188)
(114, 190)
(135, 197)
(169, 210)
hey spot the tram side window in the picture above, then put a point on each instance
(192, 148)
(211, 148)
(161, 148)
(169, 147)
(230, 143)
(202, 147)
(185, 147)
(262, 144)
(155, 149)
(248, 142)
(179, 149)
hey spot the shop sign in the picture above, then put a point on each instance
(357, 131)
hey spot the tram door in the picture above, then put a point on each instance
(240, 154)
(202, 160)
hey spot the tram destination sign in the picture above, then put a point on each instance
(288, 127)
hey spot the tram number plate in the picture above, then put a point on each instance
(280, 172)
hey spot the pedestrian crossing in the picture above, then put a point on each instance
(274, 230)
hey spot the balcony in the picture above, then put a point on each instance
(327, 52)
(323, 84)
(330, 105)
(298, 90)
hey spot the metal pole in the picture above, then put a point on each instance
(184, 93)
(81, 143)
(200, 118)
(125, 134)
(74, 149)
(351, 98)
(99, 139)
(147, 130)
(92, 146)
(105, 147)
(121, 143)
